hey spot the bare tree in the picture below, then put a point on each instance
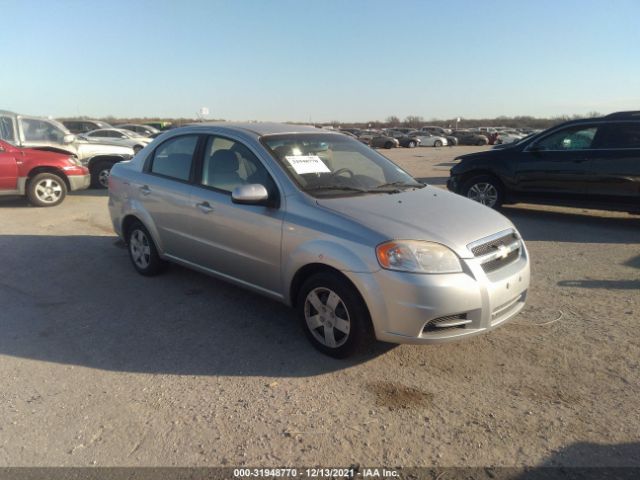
(392, 121)
(414, 121)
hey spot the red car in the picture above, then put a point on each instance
(44, 177)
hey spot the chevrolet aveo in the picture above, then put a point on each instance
(323, 223)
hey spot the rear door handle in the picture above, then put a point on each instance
(145, 190)
(204, 207)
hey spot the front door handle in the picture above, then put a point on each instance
(204, 207)
(145, 190)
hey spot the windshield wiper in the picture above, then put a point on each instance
(336, 187)
(400, 184)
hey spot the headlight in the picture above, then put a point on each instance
(417, 257)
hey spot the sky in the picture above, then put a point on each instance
(321, 60)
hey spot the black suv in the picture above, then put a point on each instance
(593, 163)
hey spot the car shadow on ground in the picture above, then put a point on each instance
(588, 461)
(91, 192)
(85, 305)
(553, 226)
(15, 202)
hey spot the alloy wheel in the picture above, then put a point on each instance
(140, 249)
(48, 190)
(484, 193)
(327, 317)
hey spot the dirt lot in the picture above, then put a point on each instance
(101, 366)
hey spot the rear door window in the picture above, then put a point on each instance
(6, 129)
(174, 157)
(622, 135)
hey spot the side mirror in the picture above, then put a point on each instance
(69, 138)
(251, 194)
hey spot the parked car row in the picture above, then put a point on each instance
(411, 138)
(38, 133)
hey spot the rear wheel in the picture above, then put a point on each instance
(437, 143)
(388, 145)
(46, 190)
(412, 144)
(143, 251)
(484, 189)
(334, 316)
(100, 174)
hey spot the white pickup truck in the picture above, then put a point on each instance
(46, 134)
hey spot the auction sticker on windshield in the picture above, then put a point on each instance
(307, 164)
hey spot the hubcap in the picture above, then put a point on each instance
(327, 317)
(140, 249)
(48, 190)
(103, 177)
(484, 193)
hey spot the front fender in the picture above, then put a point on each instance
(347, 259)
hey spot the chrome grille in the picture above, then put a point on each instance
(498, 263)
(492, 245)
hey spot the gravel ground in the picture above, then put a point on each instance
(101, 366)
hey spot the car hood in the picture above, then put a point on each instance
(429, 213)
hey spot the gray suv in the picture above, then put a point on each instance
(323, 223)
(46, 134)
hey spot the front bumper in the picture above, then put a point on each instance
(404, 306)
(453, 185)
(79, 182)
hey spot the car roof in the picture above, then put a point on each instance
(262, 128)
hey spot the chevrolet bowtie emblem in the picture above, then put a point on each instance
(502, 251)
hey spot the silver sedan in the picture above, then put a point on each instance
(325, 224)
(429, 140)
(118, 136)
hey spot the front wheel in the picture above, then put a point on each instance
(437, 143)
(412, 144)
(100, 174)
(484, 189)
(46, 190)
(334, 316)
(388, 145)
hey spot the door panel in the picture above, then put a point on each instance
(615, 164)
(8, 171)
(557, 173)
(240, 241)
(556, 165)
(615, 176)
(165, 192)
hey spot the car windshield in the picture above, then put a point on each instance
(332, 164)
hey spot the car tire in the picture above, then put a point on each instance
(143, 252)
(137, 148)
(46, 190)
(334, 316)
(100, 174)
(388, 145)
(484, 189)
(481, 143)
(437, 143)
(412, 144)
